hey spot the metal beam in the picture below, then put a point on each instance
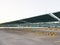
(52, 15)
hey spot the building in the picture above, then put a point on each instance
(46, 20)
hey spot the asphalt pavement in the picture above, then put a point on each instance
(13, 38)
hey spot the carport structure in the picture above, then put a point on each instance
(46, 20)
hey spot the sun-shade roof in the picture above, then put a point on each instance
(40, 18)
(43, 18)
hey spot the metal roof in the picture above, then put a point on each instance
(40, 18)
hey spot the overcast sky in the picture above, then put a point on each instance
(11, 10)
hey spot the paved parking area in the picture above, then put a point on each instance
(11, 38)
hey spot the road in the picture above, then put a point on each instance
(13, 38)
